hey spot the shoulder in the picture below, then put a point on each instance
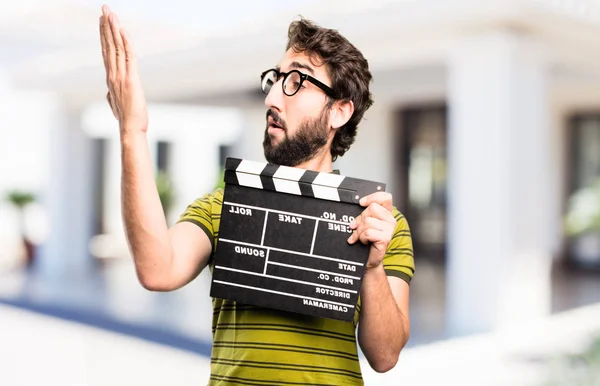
(204, 206)
(401, 222)
(216, 197)
(213, 198)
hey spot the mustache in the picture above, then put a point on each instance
(276, 119)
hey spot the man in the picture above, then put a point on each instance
(316, 97)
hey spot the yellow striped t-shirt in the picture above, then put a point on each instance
(260, 346)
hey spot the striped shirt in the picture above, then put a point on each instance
(260, 346)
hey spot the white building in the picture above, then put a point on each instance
(485, 120)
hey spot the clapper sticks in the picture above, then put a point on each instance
(283, 239)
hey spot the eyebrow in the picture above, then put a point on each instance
(297, 65)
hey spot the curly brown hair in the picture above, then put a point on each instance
(347, 67)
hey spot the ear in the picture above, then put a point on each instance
(340, 113)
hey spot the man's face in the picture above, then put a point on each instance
(297, 126)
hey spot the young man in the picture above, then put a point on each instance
(316, 97)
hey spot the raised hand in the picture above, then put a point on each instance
(125, 94)
(374, 226)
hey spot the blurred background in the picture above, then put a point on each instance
(485, 127)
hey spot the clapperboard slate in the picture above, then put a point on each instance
(283, 239)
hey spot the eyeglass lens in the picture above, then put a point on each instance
(291, 82)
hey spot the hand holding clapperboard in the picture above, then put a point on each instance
(283, 239)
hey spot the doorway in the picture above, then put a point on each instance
(422, 160)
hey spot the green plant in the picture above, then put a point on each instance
(220, 180)
(583, 213)
(20, 199)
(580, 369)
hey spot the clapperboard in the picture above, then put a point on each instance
(283, 239)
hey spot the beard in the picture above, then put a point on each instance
(308, 140)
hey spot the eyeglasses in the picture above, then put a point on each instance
(292, 81)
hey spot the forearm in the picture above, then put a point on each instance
(383, 329)
(143, 217)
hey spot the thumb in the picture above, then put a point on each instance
(112, 105)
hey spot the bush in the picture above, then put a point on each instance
(581, 369)
(583, 214)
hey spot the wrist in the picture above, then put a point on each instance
(372, 276)
(130, 136)
(132, 126)
(375, 269)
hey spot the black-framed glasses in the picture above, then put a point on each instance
(292, 81)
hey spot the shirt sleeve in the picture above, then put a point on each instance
(399, 258)
(206, 213)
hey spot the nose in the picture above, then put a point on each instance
(275, 97)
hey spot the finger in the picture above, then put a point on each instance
(356, 222)
(354, 225)
(368, 212)
(386, 224)
(374, 236)
(382, 198)
(115, 29)
(359, 219)
(113, 108)
(373, 210)
(377, 211)
(110, 50)
(130, 58)
(103, 43)
(372, 223)
(353, 238)
(366, 235)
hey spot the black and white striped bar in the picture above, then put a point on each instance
(301, 182)
(283, 239)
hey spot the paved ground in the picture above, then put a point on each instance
(104, 329)
(40, 350)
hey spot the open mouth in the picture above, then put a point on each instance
(274, 126)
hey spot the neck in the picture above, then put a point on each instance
(321, 162)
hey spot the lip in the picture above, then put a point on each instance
(272, 123)
(274, 129)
